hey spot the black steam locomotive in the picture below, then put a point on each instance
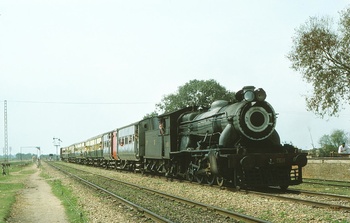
(232, 143)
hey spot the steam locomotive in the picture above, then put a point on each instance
(232, 143)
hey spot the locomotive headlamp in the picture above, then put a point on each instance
(248, 93)
(260, 94)
(249, 96)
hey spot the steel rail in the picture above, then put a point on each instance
(327, 183)
(146, 212)
(343, 197)
(221, 211)
(307, 202)
(325, 180)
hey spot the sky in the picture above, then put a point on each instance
(74, 69)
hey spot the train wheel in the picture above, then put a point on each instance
(220, 181)
(190, 177)
(189, 174)
(284, 187)
(210, 179)
(200, 179)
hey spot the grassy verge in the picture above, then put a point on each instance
(341, 189)
(10, 184)
(74, 212)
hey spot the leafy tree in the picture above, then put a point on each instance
(195, 93)
(24, 156)
(150, 115)
(330, 143)
(322, 54)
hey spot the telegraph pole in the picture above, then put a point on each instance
(6, 151)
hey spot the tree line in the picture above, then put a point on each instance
(329, 144)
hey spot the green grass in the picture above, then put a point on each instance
(74, 212)
(13, 182)
(10, 184)
(323, 188)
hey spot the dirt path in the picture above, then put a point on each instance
(36, 203)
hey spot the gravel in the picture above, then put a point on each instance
(102, 209)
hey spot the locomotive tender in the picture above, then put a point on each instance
(229, 142)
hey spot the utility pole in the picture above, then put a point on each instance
(6, 152)
(312, 141)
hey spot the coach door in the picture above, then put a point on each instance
(164, 133)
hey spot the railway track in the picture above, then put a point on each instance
(141, 196)
(311, 193)
(330, 201)
(334, 183)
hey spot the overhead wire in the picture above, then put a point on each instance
(78, 103)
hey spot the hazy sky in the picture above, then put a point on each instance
(75, 69)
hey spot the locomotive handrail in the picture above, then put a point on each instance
(197, 120)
